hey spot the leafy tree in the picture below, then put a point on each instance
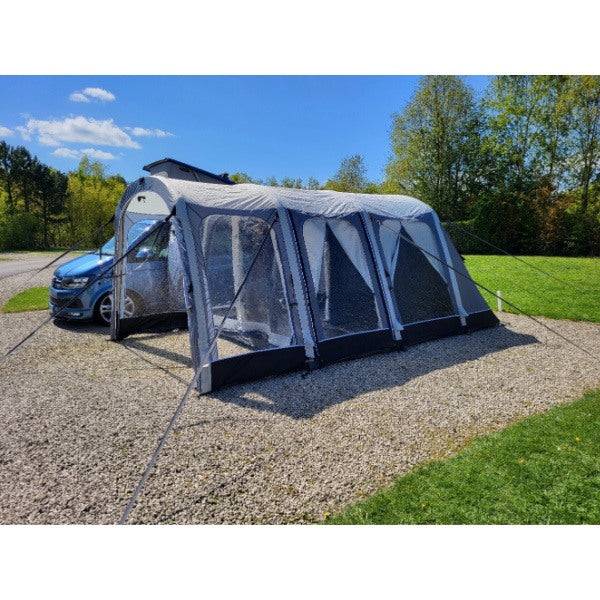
(313, 184)
(585, 133)
(552, 118)
(50, 190)
(289, 182)
(23, 168)
(435, 142)
(6, 174)
(350, 177)
(91, 199)
(241, 178)
(512, 161)
(511, 102)
(540, 147)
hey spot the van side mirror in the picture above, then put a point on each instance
(145, 253)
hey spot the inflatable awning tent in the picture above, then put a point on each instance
(271, 280)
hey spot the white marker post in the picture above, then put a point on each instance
(499, 293)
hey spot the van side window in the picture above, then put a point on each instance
(154, 247)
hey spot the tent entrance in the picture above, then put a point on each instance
(149, 282)
(418, 282)
(248, 307)
(348, 312)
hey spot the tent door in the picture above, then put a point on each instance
(349, 315)
(419, 282)
(250, 326)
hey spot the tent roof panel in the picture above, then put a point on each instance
(250, 197)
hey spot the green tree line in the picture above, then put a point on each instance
(42, 208)
(518, 165)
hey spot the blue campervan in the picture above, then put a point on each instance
(96, 301)
(145, 280)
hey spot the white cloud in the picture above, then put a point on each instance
(78, 97)
(78, 130)
(94, 93)
(141, 132)
(91, 152)
(99, 94)
(66, 153)
(24, 133)
(98, 154)
(5, 131)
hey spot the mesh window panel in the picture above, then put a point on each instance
(343, 286)
(420, 291)
(241, 254)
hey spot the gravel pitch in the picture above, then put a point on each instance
(81, 416)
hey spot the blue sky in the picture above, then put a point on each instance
(294, 126)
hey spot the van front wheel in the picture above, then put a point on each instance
(103, 308)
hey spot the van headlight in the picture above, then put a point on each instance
(74, 283)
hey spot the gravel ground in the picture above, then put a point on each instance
(81, 416)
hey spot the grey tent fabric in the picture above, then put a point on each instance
(276, 279)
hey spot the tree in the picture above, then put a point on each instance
(50, 191)
(91, 199)
(289, 182)
(23, 168)
(514, 162)
(511, 102)
(350, 177)
(241, 178)
(6, 173)
(435, 143)
(552, 122)
(585, 132)
(313, 184)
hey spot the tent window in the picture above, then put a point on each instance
(419, 285)
(241, 253)
(341, 278)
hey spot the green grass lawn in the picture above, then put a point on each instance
(32, 299)
(543, 470)
(575, 297)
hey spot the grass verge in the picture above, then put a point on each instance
(32, 299)
(542, 470)
(576, 296)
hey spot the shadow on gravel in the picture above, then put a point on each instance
(81, 326)
(303, 395)
(140, 345)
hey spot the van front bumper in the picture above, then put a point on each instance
(64, 305)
